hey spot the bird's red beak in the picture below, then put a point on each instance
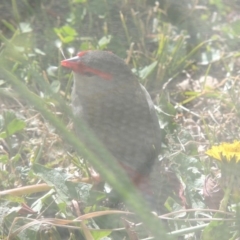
(72, 63)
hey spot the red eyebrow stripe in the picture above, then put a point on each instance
(84, 68)
(92, 70)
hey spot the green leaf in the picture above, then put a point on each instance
(104, 41)
(2, 82)
(86, 45)
(13, 127)
(51, 71)
(38, 51)
(66, 33)
(100, 234)
(4, 159)
(25, 27)
(55, 86)
(65, 189)
(145, 72)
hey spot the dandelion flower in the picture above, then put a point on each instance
(226, 151)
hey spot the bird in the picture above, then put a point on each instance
(108, 96)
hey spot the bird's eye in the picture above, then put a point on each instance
(89, 74)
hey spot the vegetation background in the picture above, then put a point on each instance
(185, 52)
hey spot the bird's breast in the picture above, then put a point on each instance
(122, 123)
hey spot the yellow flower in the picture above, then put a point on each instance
(226, 151)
